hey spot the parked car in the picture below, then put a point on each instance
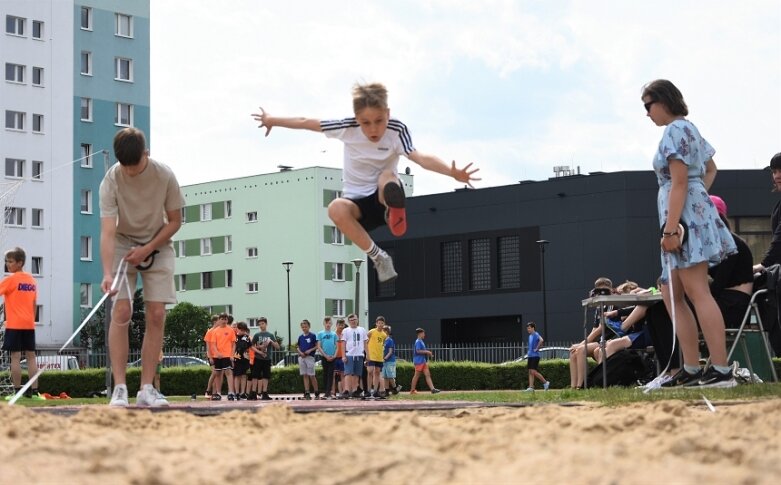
(545, 353)
(175, 361)
(54, 362)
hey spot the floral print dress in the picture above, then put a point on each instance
(709, 239)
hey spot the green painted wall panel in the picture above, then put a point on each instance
(348, 307)
(218, 210)
(328, 196)
(218, 279)
(192, 247)
(192, 213)
(218, 245)
(192, 281)
(348, 272)
(328, 271)
(329, 306)
(327, 234)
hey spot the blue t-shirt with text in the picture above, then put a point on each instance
(390, 344)
(327, 339)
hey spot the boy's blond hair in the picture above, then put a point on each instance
(626, 287)
(373, 95)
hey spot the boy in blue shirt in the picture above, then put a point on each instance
(533, 357)
(420, 360)
(307, 345)
(389, 363)
(326, 346)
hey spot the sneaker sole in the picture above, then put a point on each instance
(397, 214)
(720, 385)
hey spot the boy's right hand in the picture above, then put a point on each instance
(264, 119)
(105, 285)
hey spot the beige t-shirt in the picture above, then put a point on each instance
(139, 203)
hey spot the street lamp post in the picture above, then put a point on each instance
(287, 265)
(543, 243)
(357, 262)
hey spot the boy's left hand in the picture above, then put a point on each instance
(464, 174)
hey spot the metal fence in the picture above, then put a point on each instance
(476, 352)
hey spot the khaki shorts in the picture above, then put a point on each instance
(157, 281)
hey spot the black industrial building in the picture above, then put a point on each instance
(470, 264)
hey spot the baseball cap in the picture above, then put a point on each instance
(721, 206)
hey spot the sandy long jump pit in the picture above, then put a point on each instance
(660, 442)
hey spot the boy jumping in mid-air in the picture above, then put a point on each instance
(373, 195)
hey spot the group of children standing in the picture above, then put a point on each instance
(356, 363)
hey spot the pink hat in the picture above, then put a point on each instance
(721, 206)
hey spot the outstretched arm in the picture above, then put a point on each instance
(267, 121)
(436, 164)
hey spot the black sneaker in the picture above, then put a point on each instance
(435, 391)
(253, 396)
(265, 397)
(215, 397)
(683, 379)
(714, 378)
(231, 396)
(243, 396)
(317, 396)
(307, 396)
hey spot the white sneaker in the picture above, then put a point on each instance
(119, 396)
(546, 386)
(149, 396)
(529, 389)
(384, 266)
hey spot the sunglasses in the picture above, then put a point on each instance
(648, 106)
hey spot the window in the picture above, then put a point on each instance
(86, 155)
(86, 201)
(252, 252)
(86, 18)
(184, 215)
(14, 168)
(123, 69)
(38, 313)
(182, 282)
(228, 278)
(14, 120)
(206, 280)
(86, 63)
(14, 216)
(37, 218)
(86, 109)
(338, 308)
(37, 170)
(337, 237)
(124, 114)
(229, 309)
(337, 271)
(37, 123)
(85, 295)
(228, 209)
(14, 73)
(252, 287)
(36, 265)
(37, 29)
(228, 244)
(509, 261)
(252, 322)
(14, 25)
(252, 216)
(206, 212)
(480, 264)
(85, 248)
(206, 246)
(124, 25)
(37, 76)
(181, 252)
(452, 261)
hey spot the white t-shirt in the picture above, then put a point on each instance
(364, 160)
(354, 339)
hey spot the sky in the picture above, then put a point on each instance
(515, 87)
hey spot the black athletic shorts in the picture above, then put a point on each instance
(19, 340)
(533, 363)
(372, 211)
(261, 369)
(222, 364)
(240, 367)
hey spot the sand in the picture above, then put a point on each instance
(660, 442)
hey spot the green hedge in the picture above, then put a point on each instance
(183, 381)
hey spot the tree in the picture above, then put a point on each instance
(94, 336)
(185, 325)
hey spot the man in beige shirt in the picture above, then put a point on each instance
(140, 210)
